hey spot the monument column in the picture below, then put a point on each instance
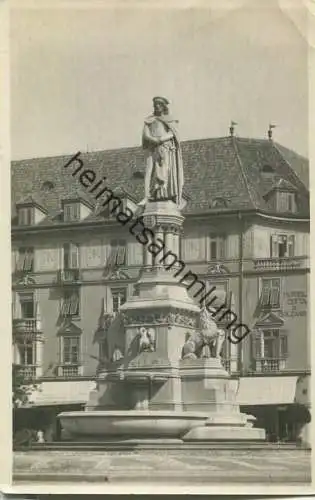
(159, 236)
(176, 241)
(148, 257)
(168, 244)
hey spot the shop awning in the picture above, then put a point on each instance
(62, 392)
(266, 390)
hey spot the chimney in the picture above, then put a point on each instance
(271, 127)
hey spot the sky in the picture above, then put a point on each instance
(82, 79)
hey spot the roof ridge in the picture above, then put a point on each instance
(246, 182)
(137, 147)
(277, 144)
(112, 150)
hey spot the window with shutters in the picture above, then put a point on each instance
(121, 250)
(270, 293)
(70, 256)
(119, 296)
(25, 261)
(27, 305)
(26, 216)
(70, 303)
(270, 350)
(282, 245)
(71, 211)
(118, 252)
(217, 246)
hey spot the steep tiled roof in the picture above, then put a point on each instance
(227, 168)
(286, 185)
(299, 164)
(31, 200)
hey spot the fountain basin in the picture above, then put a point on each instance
(130, 424)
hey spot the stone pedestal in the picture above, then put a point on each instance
(206, 386)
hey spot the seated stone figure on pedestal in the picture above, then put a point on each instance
(164, 177)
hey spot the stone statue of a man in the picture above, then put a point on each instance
(164, 176)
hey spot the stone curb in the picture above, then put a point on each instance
(185, 477)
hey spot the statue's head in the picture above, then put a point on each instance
(160, 106)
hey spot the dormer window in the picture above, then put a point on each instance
(138, 174)
(47, 186)
(267, 169)
(26, 216)
(282, 197)
(76, 209)
(219, 203)
(286, 201)
(71, 211)
(30, 211)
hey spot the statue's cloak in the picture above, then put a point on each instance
(169, 123)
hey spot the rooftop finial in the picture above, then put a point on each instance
(232, 128)
(271, 126)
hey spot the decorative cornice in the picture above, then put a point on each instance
(218, 268)
(69, 328)
(118, 274)
(23, 279)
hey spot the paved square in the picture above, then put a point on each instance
(206, 466)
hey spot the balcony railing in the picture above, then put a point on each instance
(280, 264)
(69, 276)
(270, 365)
(28, 372)
(69, 371)
(24, 326)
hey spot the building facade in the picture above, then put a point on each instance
(246, 233)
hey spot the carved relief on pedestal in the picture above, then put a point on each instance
(147, 342)
(179, 317)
